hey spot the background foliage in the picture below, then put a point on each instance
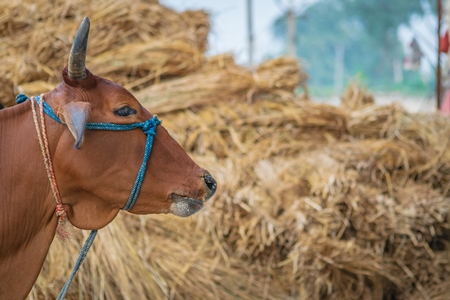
(367, 30)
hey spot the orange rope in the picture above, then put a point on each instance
(63, 229)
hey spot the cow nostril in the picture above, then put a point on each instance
(210, 183)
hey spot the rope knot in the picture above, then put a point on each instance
(149, 126)
(60, 211)
(21, 98)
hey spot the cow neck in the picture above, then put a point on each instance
(27, 220)
(149, 129)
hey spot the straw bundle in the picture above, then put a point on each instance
(221, 79)
(132, 43)
(280, 76)
(277, 127)
(435, 292)
(378, 230)
(356, 97)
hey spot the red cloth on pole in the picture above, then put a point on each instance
(445, 105)
(444, 44)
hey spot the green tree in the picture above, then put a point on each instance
(361, 33)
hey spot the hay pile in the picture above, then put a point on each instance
(313, 202)
(132, 43)
(355, 97)
(329, 203)
(220, 79)
(343, 203)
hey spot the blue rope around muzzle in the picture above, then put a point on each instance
(149, 129)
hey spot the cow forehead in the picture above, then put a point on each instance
(114, 93)
(95, 89)
(95, 86)
(103, 95)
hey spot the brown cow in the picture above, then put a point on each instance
(94, 181)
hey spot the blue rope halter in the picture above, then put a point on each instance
(149, 128)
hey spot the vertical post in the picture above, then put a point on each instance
(339, 67)
(291, 29)
(438, 67)
(397, 70)
(250, 33)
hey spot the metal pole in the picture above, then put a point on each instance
(438, 67)
(291, 29)
(250, 33)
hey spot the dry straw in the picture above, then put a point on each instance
(332, 203)
(132, 42)
(356, 97)
(220, 79)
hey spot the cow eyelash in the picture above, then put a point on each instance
(125, 111)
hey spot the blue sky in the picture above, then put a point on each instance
(229, 25)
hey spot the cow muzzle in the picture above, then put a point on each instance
(183, 206)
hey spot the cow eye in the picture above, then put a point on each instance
(125, 111)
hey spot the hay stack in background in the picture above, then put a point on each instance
(132, 43)
(278, 128)
(280, 76)
(355, 97)
(221, 79)
(348, 217)
(367, 219)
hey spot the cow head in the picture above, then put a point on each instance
(96, 176)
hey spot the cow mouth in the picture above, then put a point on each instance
(183, 206)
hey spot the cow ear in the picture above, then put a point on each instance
(75, 116)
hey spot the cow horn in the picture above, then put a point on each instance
(75, 116)
(77, 57)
